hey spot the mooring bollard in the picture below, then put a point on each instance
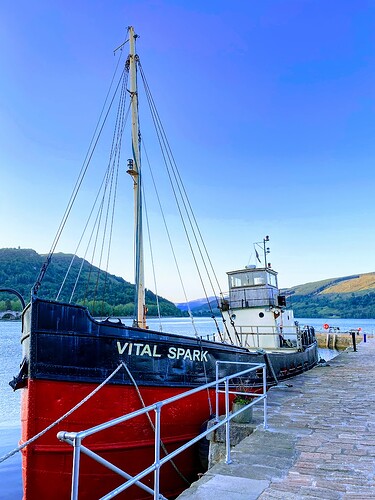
(353, 339)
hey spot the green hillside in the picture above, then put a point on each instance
(104, 294)
(345, 297)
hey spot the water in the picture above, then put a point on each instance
(10, 358)
(367, 325)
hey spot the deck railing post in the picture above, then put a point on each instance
(75, 472)
(265, 423)
(217, 393)
(157, 452)
(228, 459)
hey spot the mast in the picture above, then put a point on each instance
(134, 169)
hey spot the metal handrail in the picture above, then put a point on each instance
(75, 438)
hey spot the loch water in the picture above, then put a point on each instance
(11, 356)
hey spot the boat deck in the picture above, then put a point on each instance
(320, 441)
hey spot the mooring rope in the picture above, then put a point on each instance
(78, 405)
(151, 423)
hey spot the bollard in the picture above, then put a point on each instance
(353, 339)
(364, 337)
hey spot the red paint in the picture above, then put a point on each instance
(47, 463)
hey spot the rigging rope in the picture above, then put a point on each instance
(95, 137)
(109, 179)
(171, 166)
(60, 419)
(171, 245)
(152, 261)
(151, 423)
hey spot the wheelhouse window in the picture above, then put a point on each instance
(247, 279)
(272, 280)
(252, 278)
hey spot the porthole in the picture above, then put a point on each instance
(261, 315)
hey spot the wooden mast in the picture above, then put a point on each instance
(134, 169)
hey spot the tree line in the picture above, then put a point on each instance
(104, 294)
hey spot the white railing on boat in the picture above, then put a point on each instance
(221, 385)
(251, 334)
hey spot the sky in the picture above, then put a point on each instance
(269, 107)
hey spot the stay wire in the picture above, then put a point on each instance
(93, 227)
(173, 166)
(182, 192)
(115, 152)
(98, 130)
(171, 245)
(185, 197)
(107, 189)
(152, 257)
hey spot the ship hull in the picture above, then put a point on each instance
(67, 354)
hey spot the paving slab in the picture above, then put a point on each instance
(320, 442)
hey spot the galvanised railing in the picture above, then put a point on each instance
(75, 438)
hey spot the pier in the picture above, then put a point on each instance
(320, 442)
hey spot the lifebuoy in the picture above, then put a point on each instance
(326, 326)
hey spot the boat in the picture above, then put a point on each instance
(78, 371)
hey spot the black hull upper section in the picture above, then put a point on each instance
(63, 342)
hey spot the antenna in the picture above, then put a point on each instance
(266, 250)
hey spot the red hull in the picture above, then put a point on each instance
(47, 463)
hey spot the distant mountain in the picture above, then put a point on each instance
(346, 297)
(104, 294)
(200, 307)
(197, 304)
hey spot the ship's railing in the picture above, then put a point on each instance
(247, 302)
(221, 385)
(290, 335)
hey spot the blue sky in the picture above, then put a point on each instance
(269, 107)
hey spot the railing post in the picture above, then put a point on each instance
(217, 393)
(75, 472)
(228, 460)
(265, 424)
(157, 452)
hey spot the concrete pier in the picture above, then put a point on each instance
(320, 442)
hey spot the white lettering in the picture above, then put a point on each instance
(154, 353)
(180, 352)
(196, 355)
(146, 350)
(188, 354)
(138, 346)
(172, 352)
(120, 349)
(204, 356)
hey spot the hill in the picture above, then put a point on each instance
(104, 294)
(345, 297)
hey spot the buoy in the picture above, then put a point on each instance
(326, 326)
